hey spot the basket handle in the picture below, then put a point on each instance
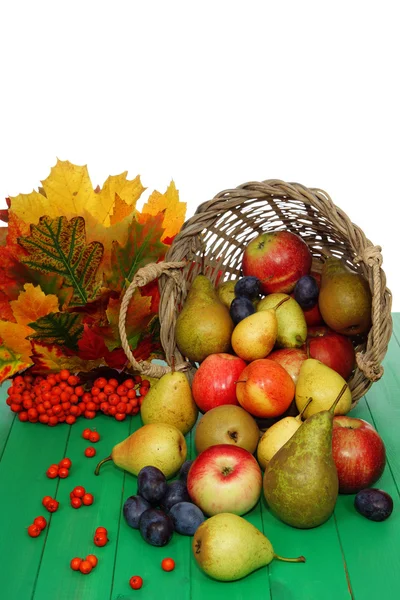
(144, 276)
(368, 362)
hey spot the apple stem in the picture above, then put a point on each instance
(281, 302)
(299, 559)
(97, 469)
(308, 348)
(303, 409)
(240, 381)
(342, 391)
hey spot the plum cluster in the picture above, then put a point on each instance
(159, 508)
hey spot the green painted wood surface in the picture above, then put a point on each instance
(348, 557)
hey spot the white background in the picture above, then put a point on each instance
(212, 94)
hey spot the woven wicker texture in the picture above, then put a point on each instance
(213, 241)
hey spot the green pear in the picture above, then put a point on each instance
(322, 384)
(300, 481)
(344, 299)
(276, 436)
(255, 335)
(170, 401)
(157, 445)
(204, 325)
(292, 326)
(227, 424)
(226, 292)
(227, 547)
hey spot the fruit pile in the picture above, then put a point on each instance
(61, 397)
(159, 508)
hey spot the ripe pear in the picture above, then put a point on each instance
(300, 481)
(255, 336)
(344, 299)
(170, 401)
(204, 325)
(227, 424)
(322, 384)
(227, 547)
(276, 436)
(226, 292)
(292, 326)
(157, 445)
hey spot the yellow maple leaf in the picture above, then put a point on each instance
(174, 210)
(32, 304)
(121, 210)
(68, 192)
(13, 336)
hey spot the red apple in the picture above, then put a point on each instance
(224, 478)
(358, 452)
(333, 349)
(214, 382)
(265, 389)
(278, 259)
(291, 360)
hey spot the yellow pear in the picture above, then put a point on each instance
(276, 436)
(157, 445)
(170, 401)
(292, 326)
(255, 336)
(226, 292)
(322, 384)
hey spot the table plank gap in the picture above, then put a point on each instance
(7, 418)
(344, 560)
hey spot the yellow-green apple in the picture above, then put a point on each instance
(278, 259)
(265, 389)
(214, 382)
(224, 478)
(333, 349)
(359, 454)
(291, 360)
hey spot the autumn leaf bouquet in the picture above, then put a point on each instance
(67, 255)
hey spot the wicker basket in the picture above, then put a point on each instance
(213, 241)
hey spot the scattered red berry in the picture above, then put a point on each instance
(79, 491)
(102, 530)
(86, 433)
(65, 463)
(90, 452)
(94, 437)
(40, 522)
(100, 539)
(136, 582)
(75, 563)
(85, 567)
(168, 564)
(92, 559)
(52, 505)
(45, 500)
(52, 472)
(63, 473)
(88, 499)
(76, 502)
(34, 530)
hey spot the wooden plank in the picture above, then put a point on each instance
(6, 417)
(136, 557)
(29, 452)
(372, 550)
(72, 530)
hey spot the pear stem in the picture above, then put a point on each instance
(303, 409)
(281, 302)
(172, 364)
(97, 469)
(299, 559)
(342, 391)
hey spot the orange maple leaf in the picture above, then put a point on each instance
(168, 203)
(33, 304)
(14, 337)
(49, 358)
(138, 316)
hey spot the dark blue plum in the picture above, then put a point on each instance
(184, 470)
(241, 308)
(133, 508)
(152, 484)
(156, 527)
(186, 517)
(248, 286)
(176, 492)
(306, 292)
(374, 504)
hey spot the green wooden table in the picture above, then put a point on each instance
(347, 557)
